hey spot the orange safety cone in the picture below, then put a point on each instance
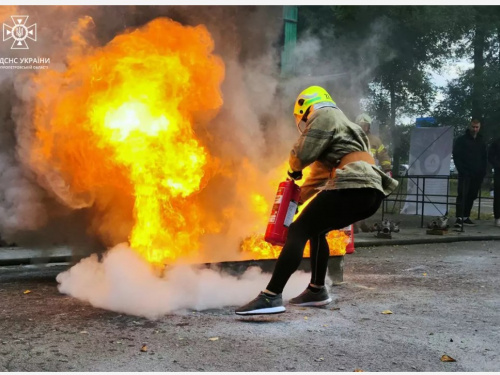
(350, 245)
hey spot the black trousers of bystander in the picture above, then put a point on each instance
(468, 189)
(496, 194)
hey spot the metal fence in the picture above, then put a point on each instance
(400, 196)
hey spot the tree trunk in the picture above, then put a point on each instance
(393, 104)
(498, 41)
(477, 84)
(392, 126)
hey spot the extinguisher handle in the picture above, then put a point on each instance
(294, 175)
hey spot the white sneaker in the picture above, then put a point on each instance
(497, 222)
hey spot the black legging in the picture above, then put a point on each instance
(329, 210)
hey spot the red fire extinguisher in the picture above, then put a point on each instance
(350, 245)
(282, 213)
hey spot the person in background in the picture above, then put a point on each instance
(379, 152)
(353, 190)
(470, 157)
(494, 159)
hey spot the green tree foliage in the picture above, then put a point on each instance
(391, 50)
(456, 108)
(476, 92)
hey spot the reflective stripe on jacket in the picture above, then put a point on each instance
(379, 152)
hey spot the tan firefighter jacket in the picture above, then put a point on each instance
(328, 136)
(379, 152)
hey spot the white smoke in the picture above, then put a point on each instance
(125, 283)
(342, 64)
(29, 214)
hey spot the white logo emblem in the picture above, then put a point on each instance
(19, 32)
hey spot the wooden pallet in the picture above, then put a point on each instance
(437, 232)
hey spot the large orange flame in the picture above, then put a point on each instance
(119, 121)
(115, 133)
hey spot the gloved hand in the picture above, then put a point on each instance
(295, 175)
(389, 173)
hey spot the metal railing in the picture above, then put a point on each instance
(421, 198)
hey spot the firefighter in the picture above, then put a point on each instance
(377, 148)
(347, 185)
(378, 151)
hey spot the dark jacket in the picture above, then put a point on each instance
(470, 155)
(494, 155)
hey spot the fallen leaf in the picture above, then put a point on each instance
(305, 318)
(83, 332)
(447, 358)
(425, 274)
(144, 348)
(358, 370)
(335, 308)
(387, 312)
(27, 291)
(213, 338)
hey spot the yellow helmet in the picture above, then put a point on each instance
(310, 96)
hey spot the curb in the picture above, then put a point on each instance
(421, 241)
(37, 260)
(357, 244)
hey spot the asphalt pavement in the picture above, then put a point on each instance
(404, 308)
(414, 302)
